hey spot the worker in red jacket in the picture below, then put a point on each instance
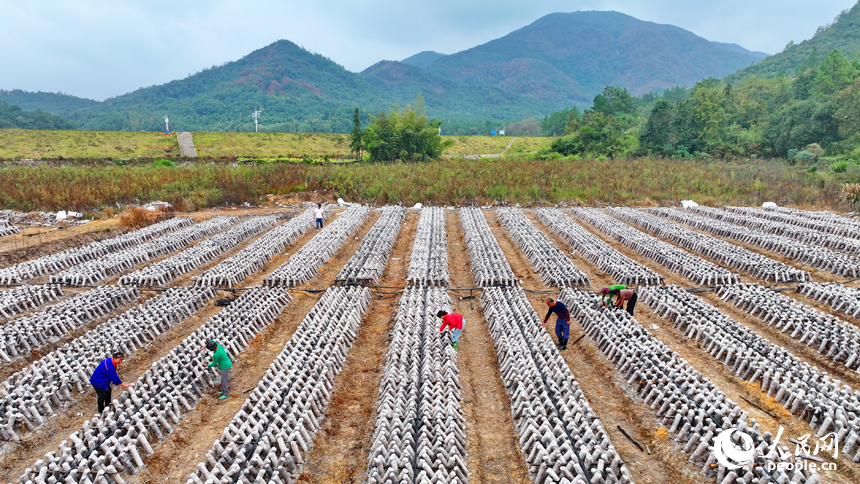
(453, 321)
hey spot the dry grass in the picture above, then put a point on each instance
(136, 217)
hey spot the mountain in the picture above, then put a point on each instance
(741, 50)
(54, 103)
(449, 99)
(560, 60)
(12, 117)
(423, 59)
(843, 35)
(567, 58)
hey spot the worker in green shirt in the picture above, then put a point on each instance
(222, 361)
(607, 297)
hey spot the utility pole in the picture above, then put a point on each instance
(256, 116)
(166, 126)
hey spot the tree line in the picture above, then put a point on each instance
(812, 113)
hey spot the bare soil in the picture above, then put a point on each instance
(342, 446)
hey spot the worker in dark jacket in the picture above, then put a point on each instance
(562, 322)
(104, 375)
(222, 361)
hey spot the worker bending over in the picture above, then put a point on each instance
(622, 295)
(607, 293)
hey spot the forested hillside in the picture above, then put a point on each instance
(811, 117)
(567, 58)
(558, 61)
(54, 103)
(842, 35)
(15, 117)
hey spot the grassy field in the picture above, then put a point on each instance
(445, 182)
(17, 144)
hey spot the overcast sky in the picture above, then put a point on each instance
(103, 48)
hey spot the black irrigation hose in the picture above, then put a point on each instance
(546, 385)
(645, 354)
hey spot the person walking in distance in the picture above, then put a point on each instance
(562, 322)
(104, 375)
(453, 321)
(628, 295)
(222, 361)
(318, 215)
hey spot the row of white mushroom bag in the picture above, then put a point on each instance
(24, 298)
(835, 295)
(29, 397)
(52, 263)
(305, 263)
(723, 252)
(271, 435)
(114, 442)
(623, 269)
(677, 260)
(761, 226)
(559, 434)
(420, 432)
(489, 265)
(20, 337)
(249, 260)
(690, 406)
(428, 265)
(7, 229)
(97, 270)
(555, 268)
(822, 221)
(368, 262)
(808, 253)
(805, 391)
(167, 270)
(830, 336)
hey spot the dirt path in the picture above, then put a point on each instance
(722, 377)
(177, 457)
(491, 441)
(612, 400)
(343, 444)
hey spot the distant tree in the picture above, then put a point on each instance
(596, 134)
(657, 132)
(614, 100)
(355, 136)
(555, 123)
(403, 136)
(799, 124)
(834, 74)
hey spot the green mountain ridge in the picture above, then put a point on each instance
(558, 61)
(423, 59)
(567, 58)
(843, 35)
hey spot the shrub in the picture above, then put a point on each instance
(839, 167)
(851, 193)
(163, 162)
(136, 217)
(804, 157)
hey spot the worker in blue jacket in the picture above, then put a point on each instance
(104, 375)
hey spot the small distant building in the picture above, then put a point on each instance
(501, 132)
(493, 132)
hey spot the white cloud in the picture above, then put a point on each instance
(101, 48)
